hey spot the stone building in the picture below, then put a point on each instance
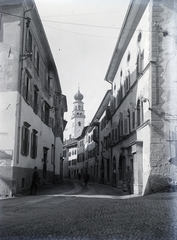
(32, 104)
(143, 77)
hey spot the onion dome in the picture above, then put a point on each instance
(78, 96)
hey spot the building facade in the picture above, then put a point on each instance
(143, 113)
(33, 106)
(136, 123)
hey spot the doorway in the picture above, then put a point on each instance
(45, 162)
(132, 170)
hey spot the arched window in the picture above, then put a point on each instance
(138, 66)
(140, 63)
(140, 114)
(121, 124)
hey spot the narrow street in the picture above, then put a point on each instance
(73, 211)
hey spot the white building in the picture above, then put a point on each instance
(142, 75)
(32, 104)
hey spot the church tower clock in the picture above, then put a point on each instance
(78, 115)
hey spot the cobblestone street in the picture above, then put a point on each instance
(72, 211)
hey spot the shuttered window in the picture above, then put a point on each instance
(34, 139)
(25, 139)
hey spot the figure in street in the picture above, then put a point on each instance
(86, 177)
(34, 183)
(128, 179)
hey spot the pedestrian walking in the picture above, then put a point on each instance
(35, 180)
(86, 177)
(128, 179)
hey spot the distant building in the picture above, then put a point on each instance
(32, 104)
(78, 115)
(70, 145)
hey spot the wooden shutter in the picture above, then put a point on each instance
(32, 145)
(23, 141)
(27, 40)
(43, 111)
(36, 144)
(25, 86)
(125, 126)
(31, 99)
(27, 141)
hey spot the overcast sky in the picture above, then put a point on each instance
(82, 35)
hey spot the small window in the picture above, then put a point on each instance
(128, 57)
(35, 100)
(133, 120)
(34, 139)
(29, 42)
(79, 123)
(36, 59)
(26, 89)
(139, 37)
(45, 112)
(25, 139)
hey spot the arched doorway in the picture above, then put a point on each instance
(122, 169)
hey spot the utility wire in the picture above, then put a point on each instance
(78, 33)
(78, 24)
(82, 14)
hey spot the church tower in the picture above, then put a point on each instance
(78, 115)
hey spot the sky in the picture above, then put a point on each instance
(82, 35)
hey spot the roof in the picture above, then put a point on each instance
(134, 13)
(83, 133)
(103, 106)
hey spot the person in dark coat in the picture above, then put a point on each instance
(35, 180)
(86, 178)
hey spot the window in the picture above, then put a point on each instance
(139, 37)
(139, 109)
(48, 82)
(139, 63)
(25, 139)
(112, 135)
(45, 111)
(125, 126)
(29, 42)
(36, 99)
(36, 59)
(121, 124)
(46, 115)
(133, 120)
(138, 113)
(34, 144)
(53, 153)
(127, 82)
(116, 137)
(26, 89)
(79, 123)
